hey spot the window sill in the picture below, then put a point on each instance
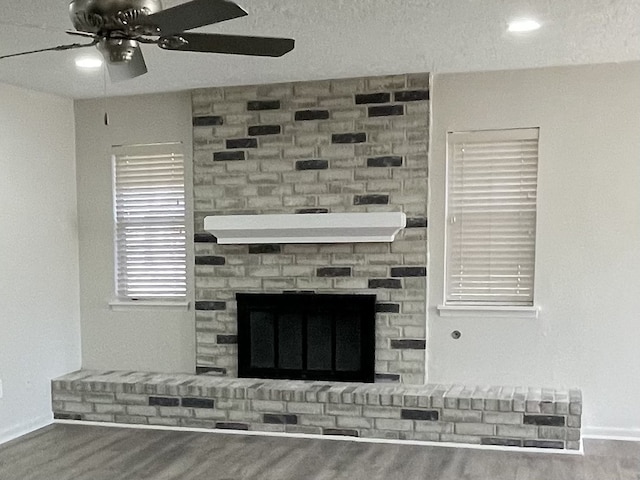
(488, 311)
(119, 305)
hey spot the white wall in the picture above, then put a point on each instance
(39, 297)
(588, 239)
(135, 339)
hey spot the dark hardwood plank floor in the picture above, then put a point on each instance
(80, 452)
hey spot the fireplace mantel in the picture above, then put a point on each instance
(312, 228)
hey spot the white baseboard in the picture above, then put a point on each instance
(337, 438)
(22, 429)
(604, 433)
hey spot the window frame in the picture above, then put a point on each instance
(175, 300)
(450, 307)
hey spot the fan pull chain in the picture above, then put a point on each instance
(104, 85)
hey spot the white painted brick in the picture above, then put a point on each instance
(317, 420)
(337, 151)
(316, 89)
(507, 418)
(336, 101)
(400, 425)
(142, 410)
(309, 176)
(241, 93)
(410, 148)
(222, 108)
(390, 82)
(268, 406)
(517, 431)
(348, 86)
(275, 117)
(445, 437)
(277, 91)
(348, 114)
(241, 119)
(354, 422)
(312, 139)
(381, 412)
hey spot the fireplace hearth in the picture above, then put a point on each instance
(306, 336)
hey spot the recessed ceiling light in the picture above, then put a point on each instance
(88, 63)
(523, 25)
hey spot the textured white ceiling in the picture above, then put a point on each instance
(334, 39)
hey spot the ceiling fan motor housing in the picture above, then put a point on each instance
(102, 17)
(118, 50)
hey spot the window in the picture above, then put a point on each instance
(491, 218)
(150, 234)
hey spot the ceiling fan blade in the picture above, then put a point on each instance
(196, 13)
(120, 71)
(231, 44)
(52, 49)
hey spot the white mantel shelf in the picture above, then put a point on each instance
(306, 228)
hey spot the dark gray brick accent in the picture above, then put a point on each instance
(503, 442)
(242, 143)
(409, 272)
(259, 130)
(208, 370)
(255, 105)
(388, 307)
(389, 161)
(385, 283)
(428, 415)
(232, 426)
(280, 419)
(371, 200)
(382, 97)
(333, 272)
(227, 339)
(387, 378)
(210, 260)
(164, 401)
(417, 222)
(359, 137)
(228, 156)
(204, 238)
(411, 95)
(345, 432)
(305, 115)
(408, 344)
(305, 211)
(208, 305)
(190, 402)
(546, 420)
(542, 444)
(265, 249)
(207, 121)
(386, 111)
(312, 165)
(67, 416)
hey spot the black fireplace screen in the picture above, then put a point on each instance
(302, 336)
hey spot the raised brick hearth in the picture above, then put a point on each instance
(519, 417)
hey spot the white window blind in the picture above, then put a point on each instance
(491, 217)
(150, 234)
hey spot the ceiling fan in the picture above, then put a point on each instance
(118, 27)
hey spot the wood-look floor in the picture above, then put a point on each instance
(79, 452)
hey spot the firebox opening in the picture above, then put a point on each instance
(306, 336)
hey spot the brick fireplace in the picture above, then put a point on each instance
(351, 145)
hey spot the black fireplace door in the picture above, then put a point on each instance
(303, 336)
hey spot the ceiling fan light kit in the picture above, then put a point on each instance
(118, 28)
